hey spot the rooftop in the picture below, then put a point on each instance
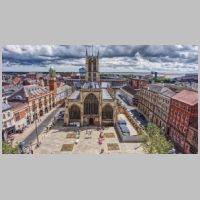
(91, 85)
(161, 89)
(16, 105)
(186, 96)
(167, 92)
(130, 89)
(75, 95)
(28, 91)
(105, 84)
(106, 95)
(177, 88)
(5, 107)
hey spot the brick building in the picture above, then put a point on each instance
(183, 121)
(138, 83)
(52, 81)
(154, 104)
(40, 100)
(20, 113)
(8, 124)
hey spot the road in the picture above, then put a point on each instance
(41, 126)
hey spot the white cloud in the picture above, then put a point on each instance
(113, 58)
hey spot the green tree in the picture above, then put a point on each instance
(156, 141)
(163, 80)
(8, 149)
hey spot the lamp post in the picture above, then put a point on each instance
(36, 131)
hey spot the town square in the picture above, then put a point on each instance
(91, 111)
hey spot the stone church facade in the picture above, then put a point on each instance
(92, 104)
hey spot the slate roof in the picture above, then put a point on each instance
(105, 84)
(5, 107)
(130, 89)
(75, 95)
(177, 88)
(161, 89)
(91, 85)
(106, 95)
(167, 92)
(29, 91)
(155, 87)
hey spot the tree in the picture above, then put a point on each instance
(8, 149)
(156, 141)
(163, 79)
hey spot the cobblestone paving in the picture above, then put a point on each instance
(54, 140)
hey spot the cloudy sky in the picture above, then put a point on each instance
(113, 58)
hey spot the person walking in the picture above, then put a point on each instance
(101, 135)
(78, 134)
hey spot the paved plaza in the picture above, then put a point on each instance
(62, 140)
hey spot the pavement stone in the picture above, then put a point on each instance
(53, 141)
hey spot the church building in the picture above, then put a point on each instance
(92, 104)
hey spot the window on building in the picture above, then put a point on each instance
(195, 138)
(8, 114)
(9, 123)
(74, 112)
(17, 116)
(91, 105)
(107, 112)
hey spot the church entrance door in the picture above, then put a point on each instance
(91, 121)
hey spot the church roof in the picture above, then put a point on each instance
(106, 95)
(91, 85)
(75, 95)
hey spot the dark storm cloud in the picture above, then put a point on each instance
(112, 55)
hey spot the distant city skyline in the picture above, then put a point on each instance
(113, 58)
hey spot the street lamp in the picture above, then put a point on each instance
(4, 134)
(36, 131)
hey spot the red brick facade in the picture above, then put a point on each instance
(21, 114)
(138, 83)
(183, 123)
(53, 86)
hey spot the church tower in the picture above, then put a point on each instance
(92, 67)
(52, 80)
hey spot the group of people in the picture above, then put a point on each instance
(88, 133)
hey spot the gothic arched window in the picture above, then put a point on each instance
(107, 112)
(91, 105)
(74, 112)
(94, 65)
